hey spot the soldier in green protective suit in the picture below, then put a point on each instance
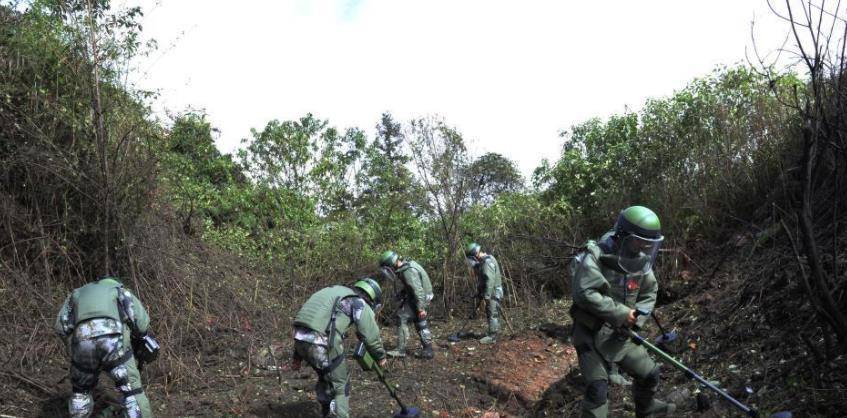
(611, 279)
(98, 323)
(415, 296)
(319, 330)
(489, 287)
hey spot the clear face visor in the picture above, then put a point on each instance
(387, 273)
(636, 255)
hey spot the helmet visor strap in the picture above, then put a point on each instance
(636, 255)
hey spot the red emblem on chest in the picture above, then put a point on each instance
(631, 284)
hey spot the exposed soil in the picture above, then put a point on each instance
(742, 333)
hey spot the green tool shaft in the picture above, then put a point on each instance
(637, 339)
(381, 375)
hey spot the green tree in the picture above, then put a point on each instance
(492, 175)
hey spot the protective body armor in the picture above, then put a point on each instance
(316, 313)
(488, 273)
(97, 300)
(425, 282)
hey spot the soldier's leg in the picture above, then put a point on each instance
(404, 315)
(318, 358)
(637, 363)
(339, 385)
(595, 372)
(426, 338)
(124, 371)
(84, 373)
(492, 314)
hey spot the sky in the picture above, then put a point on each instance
(509, 75)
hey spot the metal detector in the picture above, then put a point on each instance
(639, 340)
(360, 353)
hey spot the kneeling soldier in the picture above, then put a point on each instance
(319, 329)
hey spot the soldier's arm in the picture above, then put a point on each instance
(368, 331)
(488, 272)
(647, 297)
(585, 289)
(64, 326)
(414, 282)
(138, 315)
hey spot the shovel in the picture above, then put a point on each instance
(360, 353)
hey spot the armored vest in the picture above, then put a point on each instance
(622, 287)
(317, 311)
(97, 300)
(412, 264)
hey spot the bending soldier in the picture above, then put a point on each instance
(319, 330)
(98, 323)
(612, 278)
(415, 297)
(489, 287)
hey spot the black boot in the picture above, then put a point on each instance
(427, 352)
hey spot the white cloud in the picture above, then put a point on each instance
(509, 74)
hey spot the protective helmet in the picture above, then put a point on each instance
(371, 288)
(472, 249)
(638, 236)
(388, 259)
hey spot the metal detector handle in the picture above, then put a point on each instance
(639, 340)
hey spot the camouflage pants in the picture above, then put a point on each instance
(111, 354)
(493, 315)
(333, 387)
(406, 314)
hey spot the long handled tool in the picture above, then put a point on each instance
(637, 339)
(360, 353)
(458, 335)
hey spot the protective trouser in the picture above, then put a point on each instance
(492, 313)
(636, 362)
(112, 354)
(405, 314)
(333, 387)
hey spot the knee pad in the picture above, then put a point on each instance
(651, 380)
(597, 392)
(80, 405)
(421, 325)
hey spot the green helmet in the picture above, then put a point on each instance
(638, 236)
(388, 258)
(638, 220)
(371, 288)
(472, 249)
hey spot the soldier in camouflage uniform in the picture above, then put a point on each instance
(97, 323)
(611, 279)
(319, 330)
(489, 287)
(415, 297)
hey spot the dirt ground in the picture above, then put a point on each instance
(531, 372)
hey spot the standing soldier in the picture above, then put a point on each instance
(319, 330)
(611, 279)
(99, 323)
(489, 287)
(415, 297)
